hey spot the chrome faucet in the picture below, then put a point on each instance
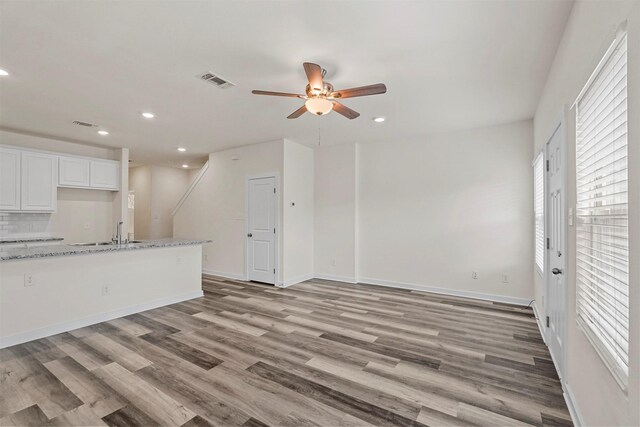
(118, 237)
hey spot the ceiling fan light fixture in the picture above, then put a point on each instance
(318, 106)
(320, 96)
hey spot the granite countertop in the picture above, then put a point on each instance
(30, 240)
(65, 250)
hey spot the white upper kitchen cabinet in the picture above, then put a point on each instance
(105, 174)
(74, 172)
(39, 181)
(9, 179)
(85, 172)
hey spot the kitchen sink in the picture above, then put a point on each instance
(93, 244)
(106, 243)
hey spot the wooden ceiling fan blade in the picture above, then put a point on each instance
(359, 91)
(300, 111)
(314, 74)
(345, 111)
(268, 93)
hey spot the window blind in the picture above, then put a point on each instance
(538, 206)
(602, 245)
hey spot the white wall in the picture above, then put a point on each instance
(157, 190)
(216, 208)
(121, 198)
(434, 209)
(590, 29)
(335, 212)
(298, 233)
(167, 186)
(82, 215)
(193, 173)
(427, 212)
(140, 184)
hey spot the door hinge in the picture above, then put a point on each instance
(274, 271)
(274, 190)
(547, 243)
(274, 231)
(547, 321)
(547, 165)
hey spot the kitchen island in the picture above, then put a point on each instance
(52, 289)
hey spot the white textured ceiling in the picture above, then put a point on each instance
(447, 65)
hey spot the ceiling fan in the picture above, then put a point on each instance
(320, 96)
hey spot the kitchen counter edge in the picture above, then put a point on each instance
(67, 250)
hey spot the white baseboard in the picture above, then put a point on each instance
(295, 280)
(447, 291)
(93, 319)
(345, 279)
(572, 405)
(224, 274)
(539, 321)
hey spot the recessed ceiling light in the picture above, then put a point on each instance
(3, 72)
(378, 119)
(182, 149)
(103, 132)
(185, 166)
(148, 115)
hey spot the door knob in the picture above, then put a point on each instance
(250, 235)
(556, 271)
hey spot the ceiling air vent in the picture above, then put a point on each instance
(216, 80)
(85, 124)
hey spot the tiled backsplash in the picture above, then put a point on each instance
(18, 224)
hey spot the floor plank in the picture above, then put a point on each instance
(317, 353)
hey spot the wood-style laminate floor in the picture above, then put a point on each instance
(318, 353)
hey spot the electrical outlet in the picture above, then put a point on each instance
(333, 263)
(474, 274)
(505, 278)
(106, 291)
(29, 280)
(178, 260)
(205, 257)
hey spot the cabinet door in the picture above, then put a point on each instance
(39, 174)
(73, 172)
(9, 179)
(105, 174)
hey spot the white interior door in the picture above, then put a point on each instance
(555, 277)
(261, 235)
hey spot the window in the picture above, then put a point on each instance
(602, 245)
(538, 209)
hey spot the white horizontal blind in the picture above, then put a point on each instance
(538, 206)
(602, 245)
